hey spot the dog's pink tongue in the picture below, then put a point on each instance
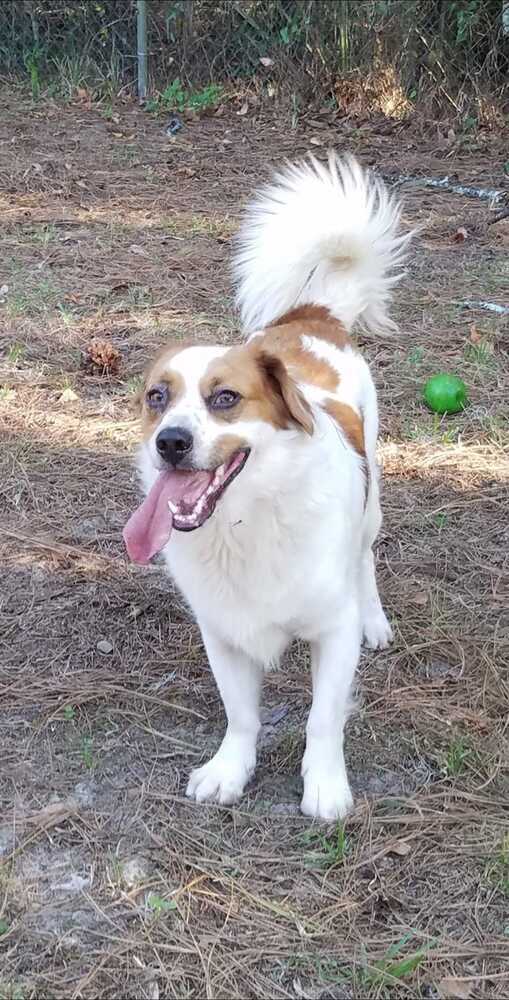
(149, 528)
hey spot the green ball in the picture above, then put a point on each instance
(445, 393)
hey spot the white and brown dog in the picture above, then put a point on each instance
(259, 466)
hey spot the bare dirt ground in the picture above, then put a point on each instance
(112, 884)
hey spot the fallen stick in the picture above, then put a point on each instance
(488, 306)
(445, 184)
(504, 214)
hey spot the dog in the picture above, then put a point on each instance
(258, 464)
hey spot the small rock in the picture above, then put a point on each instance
(105, 647)
(135, 870)
(173, 126)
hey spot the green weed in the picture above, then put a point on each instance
(331, 850)
(440, 520)
(87, 753)
(32, 64)
(415, 357)
(11, 991)
(176, 98)
(16, 353)
(481, 354)
(497, 871)
(456, 758)
(159, 905)
(41, 235)
(381, 975)
(133, 385)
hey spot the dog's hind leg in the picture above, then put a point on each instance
(376, 629)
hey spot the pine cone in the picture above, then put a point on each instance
(102, 358)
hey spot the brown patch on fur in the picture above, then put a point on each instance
(284, 339)
(225, 448)
(318, 321)
(159, 373)
(349, 422)
(266, 388)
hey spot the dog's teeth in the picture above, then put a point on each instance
(173, 507)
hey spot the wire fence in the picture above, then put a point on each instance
(389, 55)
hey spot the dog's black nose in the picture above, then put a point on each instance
(173, 444)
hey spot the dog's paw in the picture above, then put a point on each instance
(222, 779)
(327, 795)
(377, 631)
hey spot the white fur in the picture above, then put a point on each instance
(320, 234)
(288, 551)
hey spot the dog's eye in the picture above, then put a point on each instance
(224, 399)
(157, 397)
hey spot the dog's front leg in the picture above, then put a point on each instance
(334, 659)
(238, 678)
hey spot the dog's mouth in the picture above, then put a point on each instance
(179, 499)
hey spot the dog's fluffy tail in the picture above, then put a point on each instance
(320, 234)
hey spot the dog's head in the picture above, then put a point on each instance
(207, 413)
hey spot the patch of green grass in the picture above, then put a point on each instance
(440, 520)
(289, 749)
(331, 850)
(481, 354)
(381, 976)
(416, 356)
(200, 225)
(139, 295)
(160, 905)
(69, 713)
(87, 753)
(176, 98)
(431, 427)
(497, 871)
(68, 316)
(36, 298)
(16, 353)
(7, 394)
(456, 757)
(125, 154)
(133, 385)
(11, 991)
(496, 427)
(40, 235)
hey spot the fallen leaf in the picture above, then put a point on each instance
(420, 598)
(401, 847)
(82, 94)
(118, 135)
(244, 109)
(53, 813)
(271, 90)
(315, 141)
(68, 396)
(455, 989)
(460, 235)
(266, 61)
(105, 647)
(475, 336)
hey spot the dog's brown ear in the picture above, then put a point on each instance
(295, 408)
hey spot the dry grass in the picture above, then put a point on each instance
(114, 885)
